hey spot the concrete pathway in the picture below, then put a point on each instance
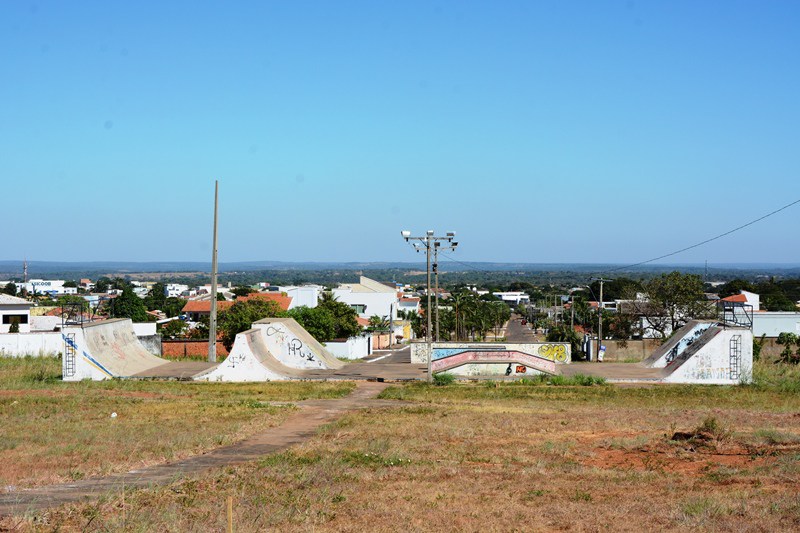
(297, 428)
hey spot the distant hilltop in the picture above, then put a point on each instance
(13, 268)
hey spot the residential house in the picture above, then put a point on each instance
(14, 310)
(369, 298)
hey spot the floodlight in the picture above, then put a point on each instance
(430, 233)
(405, 234)
(451, 233)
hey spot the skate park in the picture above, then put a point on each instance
(279, 349)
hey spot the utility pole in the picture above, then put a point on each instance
(429, 240)
(212, 322)
(436, 295)
(572, 312)
(436, 248)
(600, 316)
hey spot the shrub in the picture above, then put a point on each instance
(443, 379)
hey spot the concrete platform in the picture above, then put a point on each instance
(180, 370)
(613, 371)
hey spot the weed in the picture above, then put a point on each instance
(581, 496)
(772, 436)
(702, 507)
(443, 378)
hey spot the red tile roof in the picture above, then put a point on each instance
(363, 322)
(281, 299)
(739, 298)
(204, 306)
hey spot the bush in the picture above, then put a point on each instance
(443, 379)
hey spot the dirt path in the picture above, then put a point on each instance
(297, 428)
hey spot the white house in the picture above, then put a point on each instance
(409, 304)
(305, 295)
(14, 310)
(174, 290)
(513, 298)
(369, 297)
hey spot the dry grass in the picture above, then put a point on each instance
(511, 458)
(53, 432)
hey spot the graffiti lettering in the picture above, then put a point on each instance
(554, 352)
(296, 349)
(234, 360)
(521, 369)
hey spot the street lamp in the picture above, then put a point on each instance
(425, 241)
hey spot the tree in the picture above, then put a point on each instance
(156, 298)
(71, 283)
(318, 321)
(788, 355)
(10, 288)
(343, 315)
(174, 328)
(241, 315)
(242, 291)
(564, 333)
(128, 305)
(672, 300)
(66, 300)
(735, 286)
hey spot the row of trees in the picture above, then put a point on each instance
(466, 316)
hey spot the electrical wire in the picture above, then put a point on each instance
(759, 219)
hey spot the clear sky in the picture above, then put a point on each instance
(560, 131)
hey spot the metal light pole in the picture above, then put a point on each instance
(212, 321)
(436, 247)
(426, 241)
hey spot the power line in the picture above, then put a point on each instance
(759, 219)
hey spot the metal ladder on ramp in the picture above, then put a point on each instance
(69, 355)
(735, 353)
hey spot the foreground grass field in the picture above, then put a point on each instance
(52, 432)
(505, 458)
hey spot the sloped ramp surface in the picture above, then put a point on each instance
(293, 346)
(112, 347)
(675, 345)
(251, 360)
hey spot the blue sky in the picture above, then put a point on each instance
(539, 131)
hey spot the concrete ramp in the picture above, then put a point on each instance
(493, 363)
(677, 343)
(293, 346)
(721, 355)
(493, 360)
(251, 360)
(105, 350)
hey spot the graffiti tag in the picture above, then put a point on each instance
(296, 349)
(554, 352)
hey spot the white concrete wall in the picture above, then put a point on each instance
(494, 370)
(773, 324)
(712, 363)
(144, 329)
(45, 323)
(35, 344)
(546, 350)
(352, 348)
